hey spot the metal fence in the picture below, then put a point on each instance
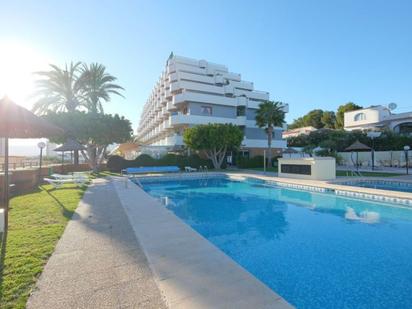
(28, 165)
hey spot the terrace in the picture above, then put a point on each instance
(121, 253)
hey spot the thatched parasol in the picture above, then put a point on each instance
(358, 147)
(18, 122)
(70, 145)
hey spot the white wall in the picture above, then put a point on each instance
(322, 168)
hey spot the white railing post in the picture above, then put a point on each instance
(264, 161)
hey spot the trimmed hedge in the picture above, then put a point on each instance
(117, 163)
(255, 162)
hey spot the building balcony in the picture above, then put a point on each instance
(171, 107)
(241, 120)
(181, 119)
(174, 140)
(173, 77)
(242, 101)
(175, 86)
(204, 98)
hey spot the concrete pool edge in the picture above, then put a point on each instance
(392, 198)
(397, 198)
(189, 270)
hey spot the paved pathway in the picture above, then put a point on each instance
(98, 262)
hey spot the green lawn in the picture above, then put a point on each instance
(103, 174)
(37, 220)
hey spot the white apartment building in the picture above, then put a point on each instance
(192, 92)
(378, 117)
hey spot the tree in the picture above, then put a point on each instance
(269, 115)
(297, 123)
(350, 106)
(313, 119)
(214, 140)
(94, 130)
(97, 86)
(58, 90)
(328, 119)
(74, 88)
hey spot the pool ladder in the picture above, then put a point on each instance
(204, 171)
(353, 173)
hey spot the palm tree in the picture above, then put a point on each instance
(98, 85)
(58, 89)
(269, 115)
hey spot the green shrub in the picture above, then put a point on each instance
(116, 163)
(143, 160)
(329, 153)
(255, 162)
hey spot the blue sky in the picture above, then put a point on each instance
(310, 54)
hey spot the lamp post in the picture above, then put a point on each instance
(41, 145)
(372, 135)
(406, 149)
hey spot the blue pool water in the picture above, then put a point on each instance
(382, 185)
(317, 250)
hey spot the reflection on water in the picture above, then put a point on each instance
(229, 215)
(370, 217)
(316, 250)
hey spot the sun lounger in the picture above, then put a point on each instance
(83, 174)
(61, 176)
(57, 183)
(59, 180)
(190, 169)
(151, 169)
(77, 177)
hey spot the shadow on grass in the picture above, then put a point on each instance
(65, 212)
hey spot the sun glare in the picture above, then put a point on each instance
(17, 64)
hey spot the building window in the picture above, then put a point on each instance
(185, 110)
(360, 116)
(241, 111)
(206, 110)
(403, 128)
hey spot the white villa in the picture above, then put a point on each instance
(192, 92)
(377, 117)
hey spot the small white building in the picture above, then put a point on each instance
(378, 117)
(319, 168)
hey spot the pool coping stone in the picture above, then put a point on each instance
(189, 270)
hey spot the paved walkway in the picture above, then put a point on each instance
(98, 262)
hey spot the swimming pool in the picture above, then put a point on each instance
(317, 250)
(382, 185)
